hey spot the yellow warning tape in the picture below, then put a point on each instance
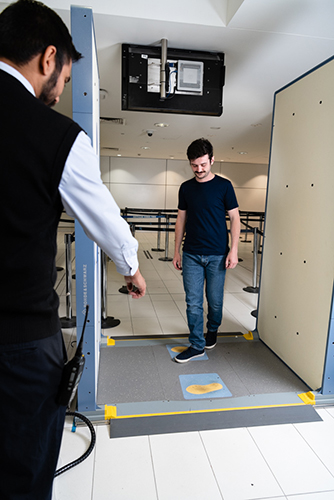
(111, 411)
(136, 339)
(249, 336)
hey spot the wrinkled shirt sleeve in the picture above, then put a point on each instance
(87, 199)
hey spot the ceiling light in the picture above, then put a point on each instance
(242, 153)
(161, 125)
(145, 147)
(215, 128)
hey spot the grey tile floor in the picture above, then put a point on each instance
(290, 461)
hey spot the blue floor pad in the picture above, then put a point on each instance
(203, 386)
(174, 350)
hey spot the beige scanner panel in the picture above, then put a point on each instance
(298, 253)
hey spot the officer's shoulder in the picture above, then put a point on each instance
(50, 112)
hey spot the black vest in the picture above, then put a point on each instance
(34, 144)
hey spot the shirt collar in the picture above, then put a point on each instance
(16, 74)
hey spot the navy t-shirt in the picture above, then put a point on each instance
(206, 204)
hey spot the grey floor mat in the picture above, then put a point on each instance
(164, 424)
(130, 374)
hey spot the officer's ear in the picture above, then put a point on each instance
(48, 60)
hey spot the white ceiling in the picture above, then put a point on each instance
(267, 44)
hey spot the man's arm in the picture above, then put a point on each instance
(232, 257)
(179, 232)
(86, 198)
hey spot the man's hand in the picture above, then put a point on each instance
(231, 260)
(177, 261)
(138, 282)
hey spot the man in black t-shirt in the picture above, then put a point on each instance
(203, 203)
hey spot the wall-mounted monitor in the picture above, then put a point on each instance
(194, 80)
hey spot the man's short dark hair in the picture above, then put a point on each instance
(28, 27)
(199, 148)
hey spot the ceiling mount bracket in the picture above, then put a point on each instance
(164, 43)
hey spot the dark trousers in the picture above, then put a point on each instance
(31, 423)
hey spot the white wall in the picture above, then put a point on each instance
(152, 183)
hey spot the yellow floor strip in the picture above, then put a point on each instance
(112, 341)
(111, 411)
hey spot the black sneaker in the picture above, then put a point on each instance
(188, 355)
(211, 340)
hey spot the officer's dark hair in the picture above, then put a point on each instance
(199, 148)
(28, 27)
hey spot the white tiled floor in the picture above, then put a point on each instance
(292, 462)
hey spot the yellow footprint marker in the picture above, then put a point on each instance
(204, 389)
(180, 348)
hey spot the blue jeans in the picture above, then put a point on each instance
(197, 270)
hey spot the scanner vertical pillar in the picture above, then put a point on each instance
(85, 105)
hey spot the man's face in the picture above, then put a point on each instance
(54, 87)
(202, 168)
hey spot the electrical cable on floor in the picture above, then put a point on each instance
(90, 448)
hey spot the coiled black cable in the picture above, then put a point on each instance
(90, 448)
